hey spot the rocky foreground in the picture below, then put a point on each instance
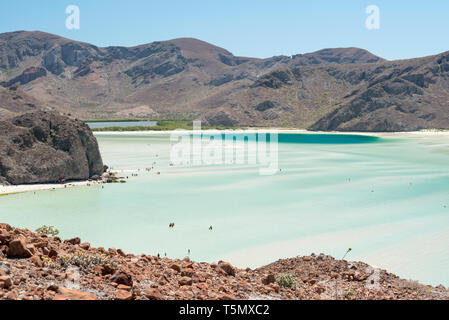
(40, 267)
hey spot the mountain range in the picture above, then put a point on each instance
(343, 89)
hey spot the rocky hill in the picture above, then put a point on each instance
(40, 267)
(181, 78)
(331, 89)
(40, 147)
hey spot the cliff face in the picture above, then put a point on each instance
(40, 147)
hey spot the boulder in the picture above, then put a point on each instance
(185, 281)
(121, 277)
(73, 241)
(227, 268)
(42, 147)
(18, 249)
(176, 267)
(37, 261)
(153, 294)
(269, 279)
(5, 282)
(123, 295)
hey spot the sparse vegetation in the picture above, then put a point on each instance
(162, 125)
(48, 230)
(286, 280)
(83, 261)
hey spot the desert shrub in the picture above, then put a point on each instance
(286, 280)
(48, 230)
(84, 261)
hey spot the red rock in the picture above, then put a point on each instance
(12, 295)
(202, 286)
(73, 241)
(123, 287)
(269, 279)
(227, 268)
(276, 287)
(37, 261)
(18, 249)
(52, 253)
(176, 267)
(53, 287)
(121, 252)
(85, 245)
(5, 282)
(4, 237)
(71, 294)
(120, 277)
(103, 270)
(185, 281)
(123, 295)
(153, 294)
(187, 273)
(227, 296)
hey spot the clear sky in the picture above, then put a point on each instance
(408, 28)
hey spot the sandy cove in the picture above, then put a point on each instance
(40, 267)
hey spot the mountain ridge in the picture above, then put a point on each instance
(190, 78)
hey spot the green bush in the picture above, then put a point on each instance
(286, 280)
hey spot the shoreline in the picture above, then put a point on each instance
(278, 130)
(21, 188)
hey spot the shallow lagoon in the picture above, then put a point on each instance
(387, 198)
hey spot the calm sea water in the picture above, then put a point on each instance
(386, 198)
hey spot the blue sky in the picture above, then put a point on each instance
(408, 28)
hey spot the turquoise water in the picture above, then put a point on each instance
(386, 198)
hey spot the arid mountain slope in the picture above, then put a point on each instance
(14, 101)
(393, 96)
(331, 89)
(179, 78)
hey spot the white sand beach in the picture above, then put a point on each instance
(4, 190)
